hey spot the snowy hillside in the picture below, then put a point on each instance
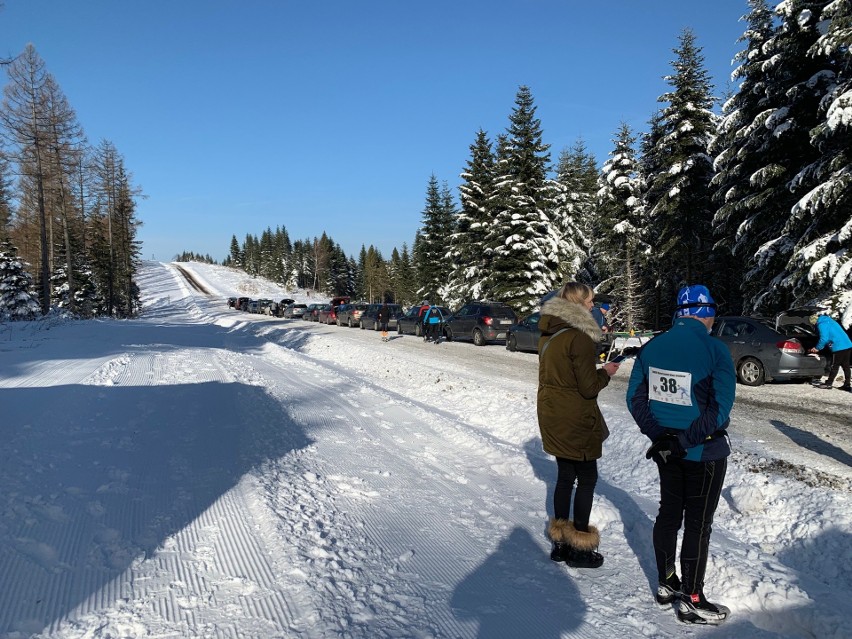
(202, 472)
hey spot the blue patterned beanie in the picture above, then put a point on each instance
(695, 301)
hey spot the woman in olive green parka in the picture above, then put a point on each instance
(571, 424)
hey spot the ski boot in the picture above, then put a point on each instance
(696, 609)
(668, 590)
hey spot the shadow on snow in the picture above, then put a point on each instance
(123, 468)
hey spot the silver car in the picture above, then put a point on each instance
(764, 351)
(292, 311)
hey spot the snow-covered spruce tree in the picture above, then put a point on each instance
(619, 237)
(251, 255)
(651, 162)
(303, 263)
(360, 276)
(524, 242)
(451, 214)
(351, 275)
(87, 299)
(403, 278)
(433, 242)
(469, 260)
(574, 214)
(337, 279)
(740, 191)
(235, 254)
(795, 83)
(266, 262)
(820, 265)
(681, 215)
(16, 286)
(284, 255)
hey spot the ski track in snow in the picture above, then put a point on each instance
(236, 480)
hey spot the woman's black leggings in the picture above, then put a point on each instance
(585, 473)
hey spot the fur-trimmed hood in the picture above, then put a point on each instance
(558, 313)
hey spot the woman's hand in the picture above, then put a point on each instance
(611, 368)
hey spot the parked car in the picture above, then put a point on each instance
(280, 305)
(242, 303)
(327, 314)
(311, 313)
(524, 335)
(410, 322)
(349, 314)
(764, 350)
(370, 317)
(265, 306)
(253, 306)
(481, 321)
(292, 311)
(232, 302)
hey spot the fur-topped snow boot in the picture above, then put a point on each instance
(583, 547)
(557, 531)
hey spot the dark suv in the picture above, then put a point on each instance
(481, 321)
(370, 317)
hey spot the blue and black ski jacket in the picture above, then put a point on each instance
(683, 383)
(831, 334)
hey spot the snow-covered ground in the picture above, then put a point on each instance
(202, 472)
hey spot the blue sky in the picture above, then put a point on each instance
(234, 116)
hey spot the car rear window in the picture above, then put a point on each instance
(500, 311)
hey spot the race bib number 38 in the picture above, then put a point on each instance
(671, 387)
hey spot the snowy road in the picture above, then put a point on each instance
(200, 472)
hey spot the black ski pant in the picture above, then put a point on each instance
(433, 332)
(840, 359)
(689, 494)
(585, 474)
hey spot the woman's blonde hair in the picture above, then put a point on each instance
(576, 292)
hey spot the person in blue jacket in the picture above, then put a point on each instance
(681, 393)
(832, 335)
(433, 323)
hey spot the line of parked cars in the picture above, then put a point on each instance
(762, 349)
(282, 308)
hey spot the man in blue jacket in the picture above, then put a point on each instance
(681, 393)
(831, 334)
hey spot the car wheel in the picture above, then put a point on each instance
(448, 334)
(478, 337)
(512, 343)
(337, 321)
(751, 372)
(375, 326)
(418, 330)
(361, 324)
(399, 329)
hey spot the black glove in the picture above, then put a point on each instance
(665, 448)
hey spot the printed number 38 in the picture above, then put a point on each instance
(668, 385)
